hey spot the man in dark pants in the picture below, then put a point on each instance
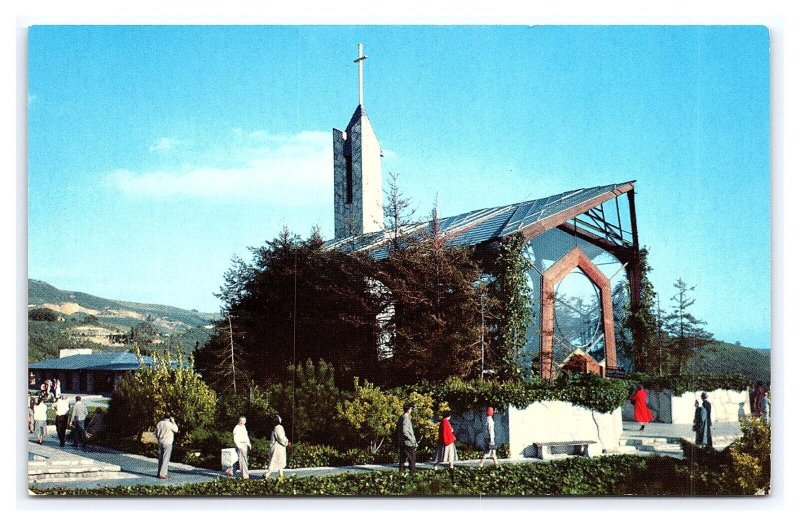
(165, 434)
(707, 407)
(79, 414)
(62, 418)
(406, 441)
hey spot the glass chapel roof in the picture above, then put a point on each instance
(487, 224)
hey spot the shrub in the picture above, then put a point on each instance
(308, 404)
(311, 456)
(587, 390)
(43, 314)
(371, 414)
(599, 476)
(143, 396)
(254, 406)
(750, 456)
(683, 383)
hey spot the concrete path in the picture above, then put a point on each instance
(679, 430)
(139, 470)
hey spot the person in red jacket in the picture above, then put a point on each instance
(640, 411)
(447, 441)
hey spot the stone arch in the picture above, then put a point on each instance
(575, 258)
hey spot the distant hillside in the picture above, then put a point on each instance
(721, 357)
(124, 314)
(62, 319)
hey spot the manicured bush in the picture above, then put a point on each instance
(586, 390)
(612, 475)
(684, 383)
(310, 456)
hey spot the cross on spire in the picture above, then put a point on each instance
(360, 61)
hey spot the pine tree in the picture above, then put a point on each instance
(684, 329)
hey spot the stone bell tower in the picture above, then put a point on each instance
(357, 185)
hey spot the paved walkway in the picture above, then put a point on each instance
(655, 430)
(140, 470)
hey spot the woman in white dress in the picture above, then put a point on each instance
(277, 449)
(490, 451)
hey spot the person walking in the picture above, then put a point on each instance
(766, 406)
(277, 448)
(447, 442)
(490, 449)
(707, 429)
(241, 440)
(755, 401)
(641, 413)
(31, 404)
(79, 414)
(699, 427)
(57, 388)
(406, 441)
(165, 434)
(62, 418)
(40, 420)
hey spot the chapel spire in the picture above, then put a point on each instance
(357, 185)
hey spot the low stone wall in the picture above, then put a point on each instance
(726, 406)
(552, 421)
(556, 421)
(470, 428)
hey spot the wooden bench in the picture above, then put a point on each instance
(579, 447)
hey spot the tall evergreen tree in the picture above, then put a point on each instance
(295, 301)
(435, 331)
(684, 329)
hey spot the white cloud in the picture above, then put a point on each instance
(164, 144)
(253, 166)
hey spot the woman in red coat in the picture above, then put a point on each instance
(447, 441)
(640, 411)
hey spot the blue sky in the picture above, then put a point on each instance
(157, 153)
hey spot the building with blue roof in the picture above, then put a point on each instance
(88, 373)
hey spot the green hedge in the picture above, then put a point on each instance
(685, 383)
(586, 390)
(613, 475)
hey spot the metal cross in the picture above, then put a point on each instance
(360, 60)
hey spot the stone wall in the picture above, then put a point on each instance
(553, 421)
(470, 428)
(556, 421)
(726, 406)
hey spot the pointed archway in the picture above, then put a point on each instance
(575, 258)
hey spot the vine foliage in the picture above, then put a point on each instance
(512, 291)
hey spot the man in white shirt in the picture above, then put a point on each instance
(79, 414)
(165, 434)
(40, 419)
(242, 442)
(61, 408)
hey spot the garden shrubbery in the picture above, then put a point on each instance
(612, 475)
(342, 428)
(587, 390)
(684, 383)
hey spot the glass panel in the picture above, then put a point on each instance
(577, 316)
(542, 252)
